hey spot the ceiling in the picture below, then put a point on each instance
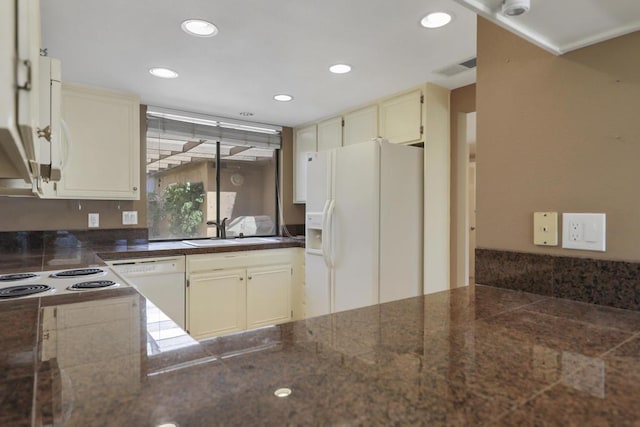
(263, 48)
(286, 46)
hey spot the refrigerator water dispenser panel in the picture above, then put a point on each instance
(314, 220)
(314, 239)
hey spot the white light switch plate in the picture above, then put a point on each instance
(129, 217)
(584, 231)
(94, 220)
(545, 228)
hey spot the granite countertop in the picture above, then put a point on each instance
(469, 356)
(23, 252)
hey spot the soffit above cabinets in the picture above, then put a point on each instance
(560, 26)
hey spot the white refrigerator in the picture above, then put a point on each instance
(364, 226)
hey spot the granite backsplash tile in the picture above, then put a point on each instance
(612, 283)
(603, 282)
(514, 270)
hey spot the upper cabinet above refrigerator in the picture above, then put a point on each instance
(401, 118)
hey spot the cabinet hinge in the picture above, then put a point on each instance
(421, 99)
(188, 283)
(342, 122)
(292, 314)
(421, 130)
(292, 271)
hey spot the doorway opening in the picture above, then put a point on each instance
(466, 199)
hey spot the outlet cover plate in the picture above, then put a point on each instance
(129, 217)
(584, 231)
(94, 220)
(545, 228)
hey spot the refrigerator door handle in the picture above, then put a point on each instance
(327, 231)
(324, 236)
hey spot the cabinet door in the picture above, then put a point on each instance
(103, 144)
(305, 142)
(360, 125)
(330, 134)
(216, 303)
(268, 295)
(401, 118)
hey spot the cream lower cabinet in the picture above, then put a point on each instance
(217, 303)
(234, 291)
(268, 295)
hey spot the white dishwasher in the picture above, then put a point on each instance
(160, 280)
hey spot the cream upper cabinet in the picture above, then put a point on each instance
(360, 125)
(305, 141)
(330, 134)
(216, 303)
(268, 295)
(101, 155)
(401, 118)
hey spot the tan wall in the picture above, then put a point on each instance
(463, 100)
(293, 214)
(22, 214)
(558, 134)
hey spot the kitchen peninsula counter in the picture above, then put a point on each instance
(42, 251)
(469, 356)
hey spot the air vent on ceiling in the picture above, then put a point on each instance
(454, 69)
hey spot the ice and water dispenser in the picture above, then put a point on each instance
(314, 232)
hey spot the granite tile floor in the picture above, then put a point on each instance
(466, 357)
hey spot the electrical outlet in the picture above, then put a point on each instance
(584, 231)
(575, 231)
(94, 220)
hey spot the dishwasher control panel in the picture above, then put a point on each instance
(155, 266)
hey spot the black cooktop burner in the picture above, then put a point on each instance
(95, 284)
(78, 272)
(23, 290)
(18, 276)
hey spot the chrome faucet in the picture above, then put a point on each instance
(221, 226)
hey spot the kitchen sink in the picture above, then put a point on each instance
(202, 243)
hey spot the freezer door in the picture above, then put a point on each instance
(355, 234)
(318, 180)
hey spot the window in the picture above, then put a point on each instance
(201, 170)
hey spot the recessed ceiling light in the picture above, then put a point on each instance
(199, 28)
(282, 392)
(283, 98)
(164, 73)
(340, 68)
(436, 20)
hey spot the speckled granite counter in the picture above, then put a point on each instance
(55, 250)
(471, 356)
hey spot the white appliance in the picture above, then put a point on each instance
(161, 280)
(19, 94)
(51, 123)
(364, 226)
